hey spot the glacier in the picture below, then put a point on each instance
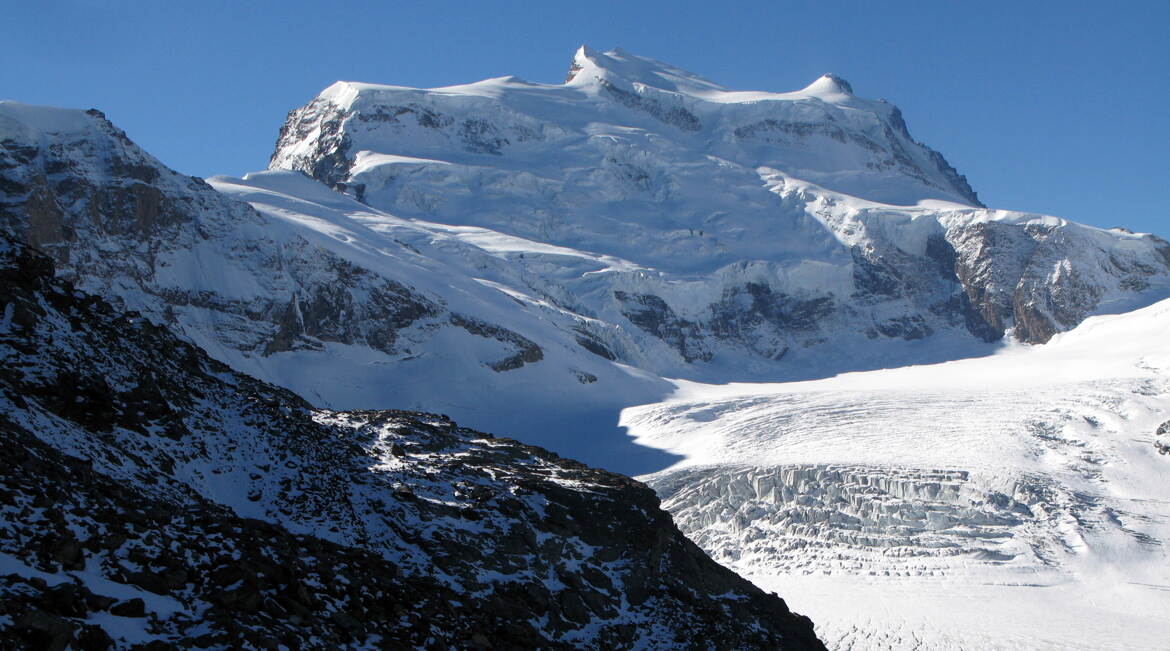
(911, 507)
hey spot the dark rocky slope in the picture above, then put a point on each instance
(149, 493)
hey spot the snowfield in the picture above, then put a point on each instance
(1004, 502)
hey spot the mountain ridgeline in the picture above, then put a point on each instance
(538, 240)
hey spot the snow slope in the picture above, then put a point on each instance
(911, 507)
(627, 111)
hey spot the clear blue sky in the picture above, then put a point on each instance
(1054, 107)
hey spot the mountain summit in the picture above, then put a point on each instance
(828, 84)
(822, 133)
(590, 66)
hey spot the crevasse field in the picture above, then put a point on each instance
(1003, 502)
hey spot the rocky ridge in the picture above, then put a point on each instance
(151, 493)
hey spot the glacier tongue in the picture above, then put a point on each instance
(895, 505)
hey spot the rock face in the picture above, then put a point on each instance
(119, 223)
(141, 478)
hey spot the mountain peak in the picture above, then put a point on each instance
(25, 120)
(589, 66)
(829, 84)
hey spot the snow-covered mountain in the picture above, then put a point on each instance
(794, 236)
(148, 493)
(1015, 501)
(756, 224)
(620, 127)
